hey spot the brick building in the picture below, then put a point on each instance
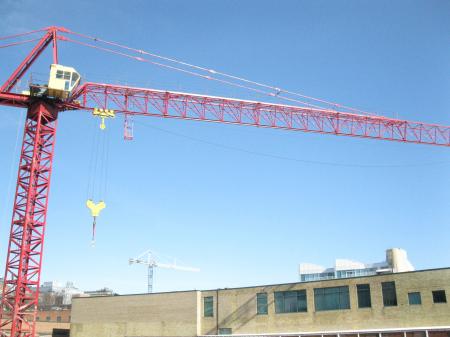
(414, 303)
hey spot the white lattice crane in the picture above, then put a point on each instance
(149, 259)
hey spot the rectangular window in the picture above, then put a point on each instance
(290, 301)
(363, 291)
(47, 318)
(332, 298)
(59, 74)
(58, 318)
(261, 304)
(225, 331)
(414, 298)
(439, 296)
(208, 306)
(389, 294)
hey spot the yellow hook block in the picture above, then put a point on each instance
(103, 113)
(95, 207)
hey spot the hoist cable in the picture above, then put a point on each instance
(18, 43)
(22, 34)
(212, 71)
(141, 59)
(287, 158)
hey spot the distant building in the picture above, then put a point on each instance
(49, 320)
(101, 292)
(54, 295)
(396, 262)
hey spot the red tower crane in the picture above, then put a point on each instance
(23, 264)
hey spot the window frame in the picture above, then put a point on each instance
(229, 331)
(326, 293)
(300, 297)
(208, 300)
(435, 293)
(367, 291)
(385, 291)
(411, 299)
(259, 305)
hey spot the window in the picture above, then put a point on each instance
(389, 294)
(38, 318)
(414, 298)
(332, 298)
(58, 318)
(290, 301)
(47, 318)
(59, 74)
(74, 78)
(225, 331)
(363, 291)
(261, 304)
(439, 296)
(208, 309)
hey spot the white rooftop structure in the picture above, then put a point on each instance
(396, 262)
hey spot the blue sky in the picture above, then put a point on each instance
(243, 216)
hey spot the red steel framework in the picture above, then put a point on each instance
(151, 102)
(24, 259)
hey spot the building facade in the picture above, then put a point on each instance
(48, 320)
(396, 262)
(410, 300)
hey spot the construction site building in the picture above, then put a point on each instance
(407, 302)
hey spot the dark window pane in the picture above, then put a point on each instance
(439, 333)
(290, 301)
(415, 334)
(392, 334)
(208, 306)
(225, 331)
(332, 298)
(414, 298)
(261, 304)
(439, 296)
(59, 74)
(389, 294)
(363, 291)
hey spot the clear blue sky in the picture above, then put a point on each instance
(243, 218)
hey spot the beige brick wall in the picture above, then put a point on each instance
(237, 307)
(181, 313)
(164, 314)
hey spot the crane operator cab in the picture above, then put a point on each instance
(62, 81)
(60, 85)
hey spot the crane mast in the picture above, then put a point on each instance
(24, 258)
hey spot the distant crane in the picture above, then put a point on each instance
(148, 258)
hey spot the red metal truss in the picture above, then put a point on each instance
(150, 102)
(49, 36)
(23, 264)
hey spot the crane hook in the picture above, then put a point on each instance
(95, 209)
